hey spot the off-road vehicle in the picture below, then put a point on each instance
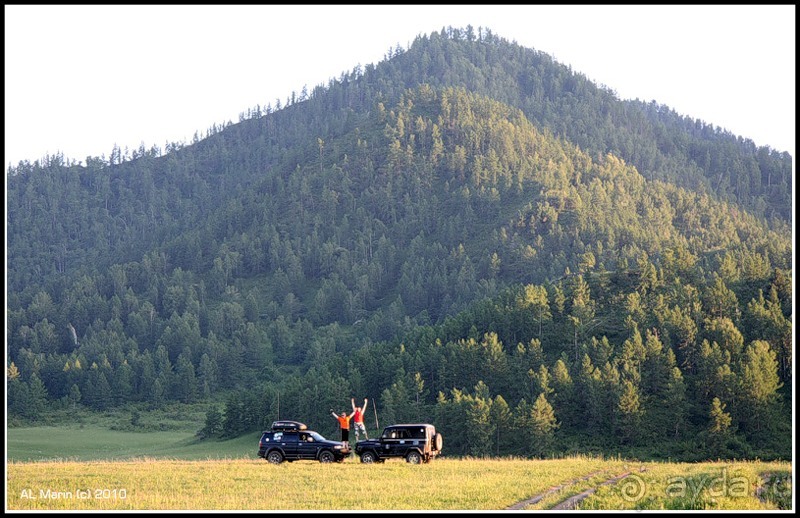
(415, 443)
(292, 440)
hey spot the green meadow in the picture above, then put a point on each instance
(49, 443)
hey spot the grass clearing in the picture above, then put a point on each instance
(47, 443)
(444, 484)
(151, 484)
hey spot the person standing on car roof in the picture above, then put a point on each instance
(344, 425)
(358, 417)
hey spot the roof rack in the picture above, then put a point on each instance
(285, 426)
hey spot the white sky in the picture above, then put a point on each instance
(80, 79)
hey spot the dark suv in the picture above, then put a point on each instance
(414, 442)
(291, 440)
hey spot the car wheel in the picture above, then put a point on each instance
(437, 442)
(326, 456)
(275, 457)
(368, 457)
(414, 457)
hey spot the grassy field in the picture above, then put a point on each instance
(47, 443)
(254, 484)
(445, 484)
(94, 468)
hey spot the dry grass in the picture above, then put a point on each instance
(445, 484)
(254, 484)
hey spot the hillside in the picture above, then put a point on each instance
(124, 204)
(402, 242)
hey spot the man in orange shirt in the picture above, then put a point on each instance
(344, 425)
(358, 417)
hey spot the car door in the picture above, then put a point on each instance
(288, 442)
(397, 442)
(306, 447)
(388, 440)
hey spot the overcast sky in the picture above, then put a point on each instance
(80, 79)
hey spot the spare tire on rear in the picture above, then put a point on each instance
(437, 442)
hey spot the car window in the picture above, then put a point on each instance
(290, 436)
(418, 433)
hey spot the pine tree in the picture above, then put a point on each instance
(582, 314)
(500, 415)
(74, 396)
(675, 401)
(542, 381)
(37, 397)
(17, 396)
(213, 424)
(479, 427)
(535, 298)
(629, 412)
(719, 425)
(564, 394)
(157, 394)
(185, 380)
(207, 375)
(759, 386)
(543, 426)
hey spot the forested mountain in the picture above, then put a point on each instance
(468, 232)
(652, 137)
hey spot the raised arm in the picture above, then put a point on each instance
(353, 403)
(364, 408)
(334, 414)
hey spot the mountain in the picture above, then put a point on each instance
(650, 136)
(442, 231)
